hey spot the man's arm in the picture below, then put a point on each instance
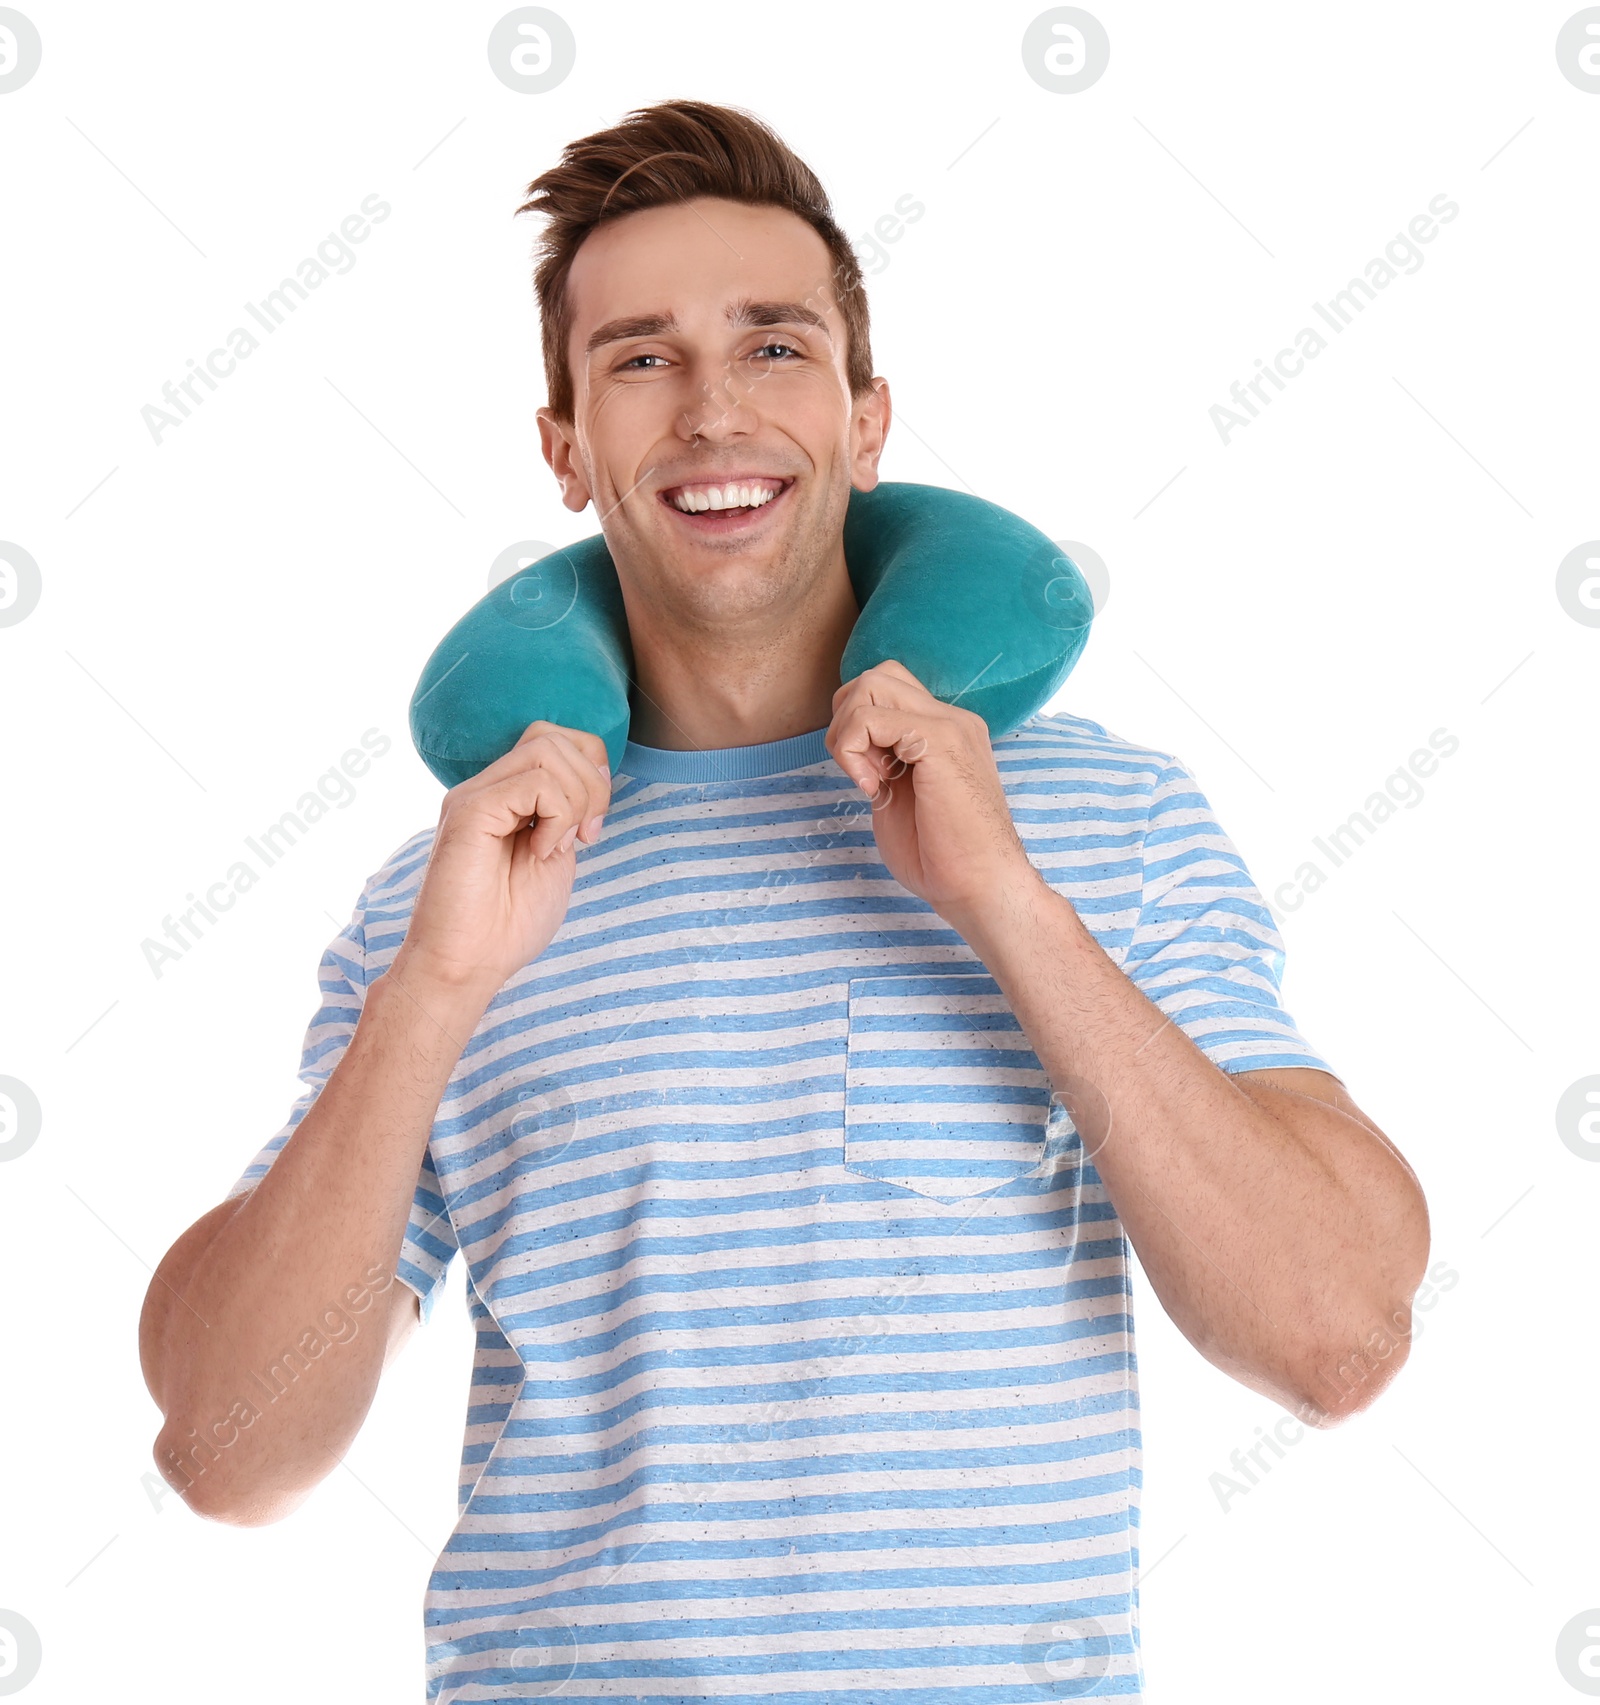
(269, 1321)
(1281, 1229)
(397, 1313)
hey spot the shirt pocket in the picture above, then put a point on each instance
(943, 1094)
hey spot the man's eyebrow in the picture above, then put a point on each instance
(742, 313)
(746, 313)
(635, 325)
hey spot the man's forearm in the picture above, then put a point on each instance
(256, 1410)
(1278, 1231)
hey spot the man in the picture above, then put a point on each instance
(793, 1095)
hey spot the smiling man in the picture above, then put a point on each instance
(794, 1095)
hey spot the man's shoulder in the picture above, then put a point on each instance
(395, 882)
(382, 912)
(1073, 752)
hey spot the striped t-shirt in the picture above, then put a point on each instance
(805, 1363)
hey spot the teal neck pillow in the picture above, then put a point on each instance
(981, 607)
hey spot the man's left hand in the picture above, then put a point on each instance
(939, 811)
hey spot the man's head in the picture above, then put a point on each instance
(705, 324)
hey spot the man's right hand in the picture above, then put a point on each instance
(499, 877)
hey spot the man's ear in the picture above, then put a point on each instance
(557, 442)
(869, 427)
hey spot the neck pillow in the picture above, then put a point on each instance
(981, 607)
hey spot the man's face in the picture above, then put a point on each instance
(707, 351)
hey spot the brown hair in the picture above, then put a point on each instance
(673, 152)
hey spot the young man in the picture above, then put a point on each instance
(805, 1362)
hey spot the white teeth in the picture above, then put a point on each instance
(722, 497)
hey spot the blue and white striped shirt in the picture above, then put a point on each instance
(805, 1365)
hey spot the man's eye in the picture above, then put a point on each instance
(647, 356)
(767, 346)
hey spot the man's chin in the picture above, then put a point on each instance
(727, 592)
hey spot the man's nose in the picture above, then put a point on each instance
(719, 408)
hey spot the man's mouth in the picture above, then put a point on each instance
(724, 506)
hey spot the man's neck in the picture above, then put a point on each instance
(764, 678)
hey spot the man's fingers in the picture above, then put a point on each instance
(886, 687)
(884, 683)
(899, 672)
(552, 791)
(593, 782)
(587, 793)
(872, 743)
(545, 802)
(590, 745)
(576, 756)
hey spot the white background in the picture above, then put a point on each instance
(1374, 558)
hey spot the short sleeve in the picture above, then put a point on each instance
(429, 1243)
(1205, 949)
